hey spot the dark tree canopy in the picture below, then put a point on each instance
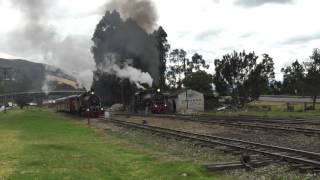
(163, 47)
(261, 77)
(293, 78)
(303, 78)
(197, 62)
(312, 80)
(200, 81)
(181, 67)
(240, 76)
(132, 46)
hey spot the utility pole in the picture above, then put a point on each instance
(187, 100)
(6, 77)
(88, 115)
(122, 93)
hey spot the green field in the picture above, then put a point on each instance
(271, 110)
(39, 144)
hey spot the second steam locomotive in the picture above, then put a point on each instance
(154, 101)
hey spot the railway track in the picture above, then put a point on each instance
(304, 160)
(307, 131)
(245, 119)
(239, 123)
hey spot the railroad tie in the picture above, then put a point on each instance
(297, 165)
(306, 169)
(236, 165)
(316, 171)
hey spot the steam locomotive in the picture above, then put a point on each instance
(154, 101)
(87, 104)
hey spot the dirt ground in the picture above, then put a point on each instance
(278, 138)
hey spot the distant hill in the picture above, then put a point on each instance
(22, 76)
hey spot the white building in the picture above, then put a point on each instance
(189, 101)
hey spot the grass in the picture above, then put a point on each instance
(181, 150)
(272, 110)
(39, 144)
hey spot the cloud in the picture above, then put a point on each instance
(208, 34)
(255, 3)
(247, 35)
(302, 39)
(37, 36)
(182, 34)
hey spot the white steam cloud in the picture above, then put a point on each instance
(45, 86)
(125, 71)
(38, 38)
(85, 78)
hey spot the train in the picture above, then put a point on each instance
(87, 104)
(151, 100)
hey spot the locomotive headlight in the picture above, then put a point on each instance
(102, 109)
(155, 106)
(165, 105)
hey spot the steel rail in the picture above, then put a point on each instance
(283, 153)
(259, 125)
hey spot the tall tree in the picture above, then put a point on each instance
(293, 78)
(200, 81)
(260, 78)
(178, 68)
(242, 77)
(196, 77)
(197, 62)
(312, 79)
(118, 43)
(163, 47)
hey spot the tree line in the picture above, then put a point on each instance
(243, 76)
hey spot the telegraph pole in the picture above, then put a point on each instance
(6, 77)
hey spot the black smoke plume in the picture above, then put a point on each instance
(122, 42)
(143, 12)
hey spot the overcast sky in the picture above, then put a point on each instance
(285, 29)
